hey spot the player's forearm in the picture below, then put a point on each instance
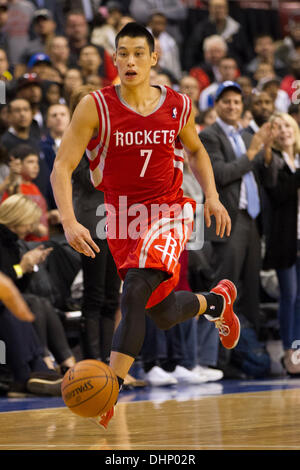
(62, 190)
(201, 165)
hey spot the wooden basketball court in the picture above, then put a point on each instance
(263, 419)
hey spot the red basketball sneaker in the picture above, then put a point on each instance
(228, 323)
(103, 420)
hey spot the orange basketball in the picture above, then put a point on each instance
(90, 388)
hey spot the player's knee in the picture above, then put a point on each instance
(135, 293)
(164, 321)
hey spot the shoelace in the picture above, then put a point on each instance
(223, 329)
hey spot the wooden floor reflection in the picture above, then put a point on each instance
(263, 420)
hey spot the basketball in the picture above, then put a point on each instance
(90, 388)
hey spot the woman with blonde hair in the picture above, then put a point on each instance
(283, 238)
(18, 216)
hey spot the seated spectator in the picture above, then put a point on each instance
(246, 117)
(73, 79)
(229, 71)
(77, 32)
(23, 130)
(262, 108)
(264, 48)
(263, 70)
(124, 20)
(175, 12)
(29, 87)
(106, 27)
(57, 120)
(247, 88)
(163, 79)
(24, 357)
(55, 8)
(59, 54)
(218, 22)
(10, 169)
(290, 83)
(17, 28)
(3, 21)
(158, 68)
(44, 28)
(40, 65)
(29, 170)
(290, 42)
(88, 9)
(89, 61)
(169, 52)
(17, 216)
(6, 72)
(214, 49)
(207, 118)
(190, 86)
(95, 81)
(280, 97)
(52, 94)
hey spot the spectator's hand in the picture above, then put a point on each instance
(13, 301)
(40, 230)
(213, 206)
(268, 133)
(53, 217)
(80, 239)
(34, 257)
(15, 166)
(264, 137)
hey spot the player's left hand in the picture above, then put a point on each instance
(213, 206)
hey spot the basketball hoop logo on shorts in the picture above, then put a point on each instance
(168, 250)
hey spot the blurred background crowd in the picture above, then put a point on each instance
(52, 53)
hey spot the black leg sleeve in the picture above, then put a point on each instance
(137, 288)
(176, 308)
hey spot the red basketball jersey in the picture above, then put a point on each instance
(135, 155)
(139, 160)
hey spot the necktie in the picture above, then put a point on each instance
(253, 206)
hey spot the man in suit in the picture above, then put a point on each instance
(240, 162)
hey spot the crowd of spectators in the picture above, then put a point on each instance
(52, 53)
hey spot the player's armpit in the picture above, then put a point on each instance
(78, 134)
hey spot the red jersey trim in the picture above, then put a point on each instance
(97, 152)
(186, 111)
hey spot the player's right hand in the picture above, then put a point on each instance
(13, 300)
(80, 239)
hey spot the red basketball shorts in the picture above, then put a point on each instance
(158, 246)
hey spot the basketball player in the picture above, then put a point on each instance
(133, 134)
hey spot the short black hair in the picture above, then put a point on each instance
(136, 30)
(262, 35)
(22, 151)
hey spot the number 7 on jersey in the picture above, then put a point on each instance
(147, 154)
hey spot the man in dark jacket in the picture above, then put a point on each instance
(239, 171)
